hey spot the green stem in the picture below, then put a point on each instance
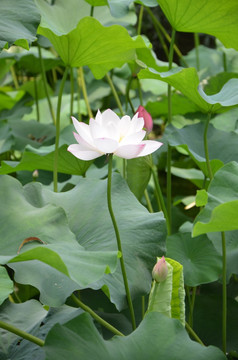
(128, 87)
(139, 91)
(193, 334)
(21, 333)
(224, 61)
(14, 77)
(45, 86)
(119, 246)
(95, 316)
(36, 100)
(140, 19)
(168, 38)
(209, 169)
(56, 155)
(169, 153)
(71, 91)
(148, 202)
(158, 31)
(224, 295)
(92, 11)
(191, 307)
(196, 41)
(114, 92)
(161, 199)
(84, 90)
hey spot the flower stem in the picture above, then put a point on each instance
(21, 333)
(140, 19)
(96, 316)
(169, 153)
(36, 100)
(56, 155)
(119, 246)
(14, 77)
(224, 295)
(196, 41)
(71, 91)
(45, 85)
(209, 169)
(193, 334)
(109, 80)
(167, 37)
(161, 199)
(148, 202)
(84, 90)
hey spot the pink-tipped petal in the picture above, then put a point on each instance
(150, 147)
(83, 130)
(129, 151)
(83, 153)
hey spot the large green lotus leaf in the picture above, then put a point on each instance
(186, 80)
(77, 269)
(101, 48)
(18, 23)
(226, 121)
(43, 159)
(32, 133)
(138, 174)
(9, 98)
(209, 17)
(210, 61)
(60, 264)
(37, 322)
(157, 337)
(142, 234)
(194, 175)
(180, 105)
(220, 212)
(28, 60)
(62, 17)
(191, 139)
(6, 285)
(15, 314)
(201, 262)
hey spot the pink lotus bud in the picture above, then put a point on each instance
(160, 270)
(148, 122)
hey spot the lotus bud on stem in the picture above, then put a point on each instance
(160, 270)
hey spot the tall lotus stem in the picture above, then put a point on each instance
(119, 246)
(56, 156)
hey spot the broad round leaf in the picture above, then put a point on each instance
(201, 262)
(157, 337)
(209, 17)
(18, 23)
(142, 234)
(220, 212)
(58, 266)
(6, 285)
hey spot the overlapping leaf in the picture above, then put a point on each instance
(209, 17)
(156, 337)
(220, 212)
(87, 42)
(18, 23)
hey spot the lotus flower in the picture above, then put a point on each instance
(148, 122)
(108, 134)
(160, 270)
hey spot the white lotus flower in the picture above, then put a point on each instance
(108, 134)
